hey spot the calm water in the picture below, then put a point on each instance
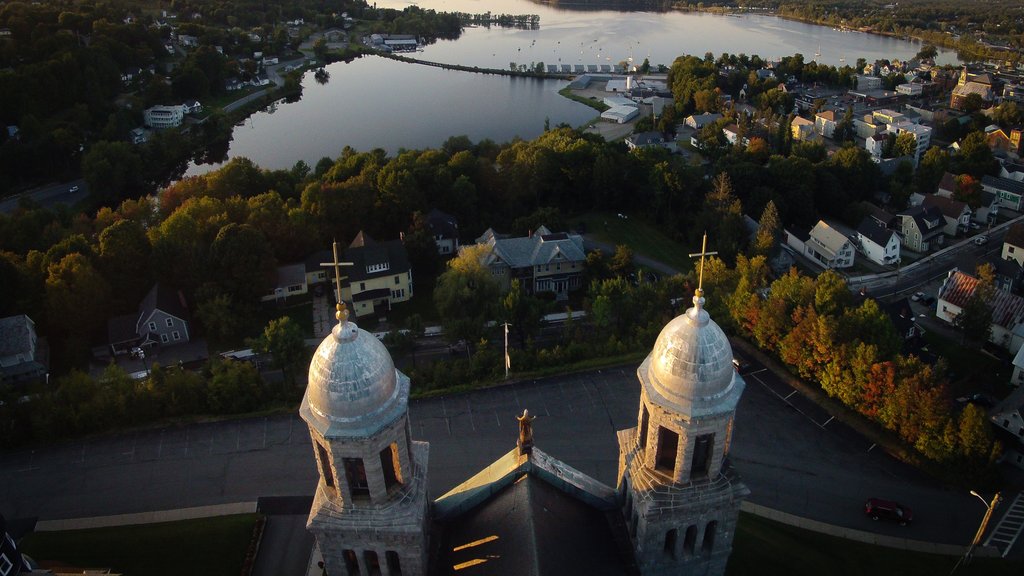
(378, 103)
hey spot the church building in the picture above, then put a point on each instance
(673, 511)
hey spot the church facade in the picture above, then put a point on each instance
(673, 511)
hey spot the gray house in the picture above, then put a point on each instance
(20, 358)
(921, 227)
(162, 319)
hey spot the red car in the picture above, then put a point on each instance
(876, 508)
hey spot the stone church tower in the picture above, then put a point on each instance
(680, 496)
(370, 510)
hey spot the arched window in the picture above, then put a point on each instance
(670, 542)
(668, 443)
(394, 566)
(709, 537)
(690, 540)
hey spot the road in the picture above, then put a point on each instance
(49, 196)
(792, 456)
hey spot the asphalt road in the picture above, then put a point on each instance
(791, 455)
(49, 196)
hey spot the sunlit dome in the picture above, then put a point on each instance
(690, 369)
(354, 388)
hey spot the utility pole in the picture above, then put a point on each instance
(508, 361)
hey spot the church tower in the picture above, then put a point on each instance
(680, 496)
(370, 510)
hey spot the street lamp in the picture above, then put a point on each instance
(990, 507)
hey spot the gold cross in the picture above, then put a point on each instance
(703, 252)
(341, 314)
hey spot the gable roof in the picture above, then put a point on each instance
(1015, 234)
(827, 115)
(828, 237)
(163, 298)
(1006, 184)
(948, 182)
(871, 229)
(364, 252)
(948, 206)
(540, 248)
(442, 224)
(1007, 309)
(15, 335)
(928, 218)
(548, 519)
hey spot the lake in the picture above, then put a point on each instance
(374, 102)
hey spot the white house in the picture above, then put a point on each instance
(163, 116)
(1009, 417)
(698, 121)
(879, 244)
(957, 214)
(910, 89)
(829, 247)
(825, 123)
(1007, 308)
(290, 281)
(868, 82)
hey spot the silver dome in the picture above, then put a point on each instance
(690, 369)
(354, 389)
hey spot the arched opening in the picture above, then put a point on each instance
(351, 562)
(372, 562)
(355, 473)
(394, 566)
(702, 455)
(668, 444)
(670, 542)
(690, 540)
(390, 466)
(325, 464)
(709, 537)
(643, 425)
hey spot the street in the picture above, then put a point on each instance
(793, 456)
(49, 196)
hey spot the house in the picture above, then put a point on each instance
(875, 144)
(645, 140)
(138, 135)
(732, 135)
(543, 261)
(903, 319)
(186, 41)
(947, 185)
(922, 137)
(193, 107)
(881, 245)
(1009, 192)
(159, 117)
(864, 82)
(910, 89)
(379, 277)
(1007, 309)
(825, 123)
(1008, 417)
(829, 247)
(987, 211)
(698, 121)
(1018, 369)
(21, 359)
(445, 230)
(290, 281)
(162, 318)
(921, 227)
(803, 130)
(1013, 243)
(956, 214)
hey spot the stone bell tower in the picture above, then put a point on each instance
(680, 497)
(370, 510)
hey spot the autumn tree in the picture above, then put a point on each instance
(975, 317)
(466, 294)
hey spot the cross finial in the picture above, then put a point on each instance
(700, 277)
(342, 313)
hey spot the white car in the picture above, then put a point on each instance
(917, 297)
(73, 189)
(981, 240)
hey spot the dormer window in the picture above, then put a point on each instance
(379, 267)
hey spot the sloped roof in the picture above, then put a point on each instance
(532, 516)
(364, 252)
(15, 335)
(443, 224)
(949, 207)
(948, 182)
(871, 229)
(1015, 234)
(1006, 184)
(165, 299)
(1007, 309)
(928, 218)
(290, 275)
(827, 115)
(540, 248)
(828, 237)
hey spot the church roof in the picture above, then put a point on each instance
(354, 389)
(519, 517)
(690, 369)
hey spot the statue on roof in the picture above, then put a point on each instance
(525, 442)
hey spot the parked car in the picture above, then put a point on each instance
(877, 508)
(929, 301)
(917, 297)
(975, 226)
(978, 398)
(73, 189)
(981, 240)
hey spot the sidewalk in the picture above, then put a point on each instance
(147, 517)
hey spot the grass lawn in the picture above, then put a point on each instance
(763, 546)
(642, 237)
(214, 546)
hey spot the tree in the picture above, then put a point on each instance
(975, 157)
(243, 262)
(622, 261)
(112, 170)
(421, 247)
(723, 218)
(234, 387)
(975, 317)
(927, 51)
(465, 294)
(934, 163)
(282, 339)
(768, 230)
(522, 311)
(905, 145)
(124, 256)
